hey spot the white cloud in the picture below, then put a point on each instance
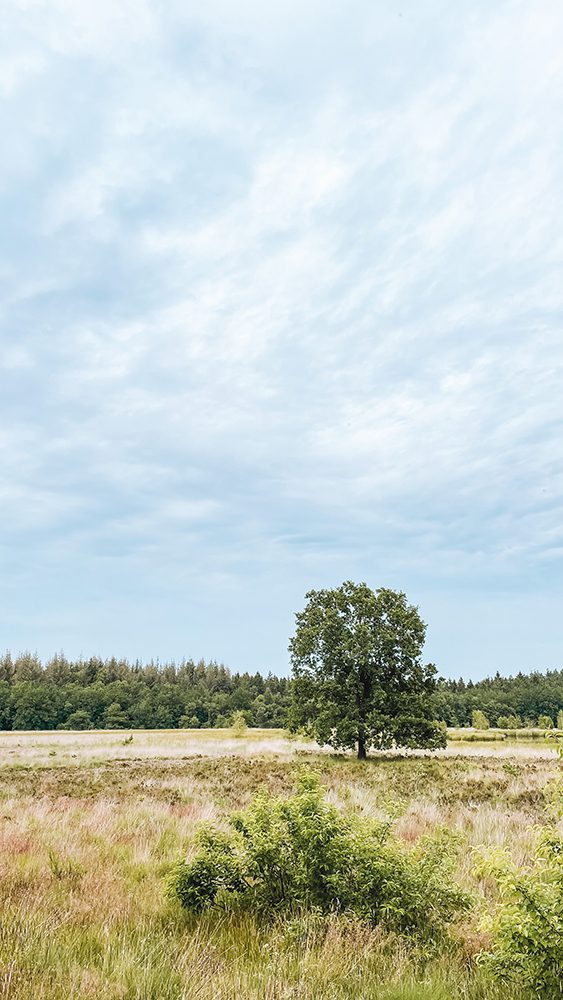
(282, 287)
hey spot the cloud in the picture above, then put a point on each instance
(282, 304)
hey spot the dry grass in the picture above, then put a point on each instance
(71, 747)
(89, 828)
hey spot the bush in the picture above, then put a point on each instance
(188, 722)
(509, 722)
(289, 855)
(545, 722)
(114, 717)
(238, 725)
(528, 931)
(78, 720)
(479, 720)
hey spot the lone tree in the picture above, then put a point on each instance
(359, 679)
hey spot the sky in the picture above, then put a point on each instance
(281, 306)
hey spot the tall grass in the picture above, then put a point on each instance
(86, 847)
(495, 735)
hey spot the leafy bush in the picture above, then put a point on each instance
(289, 855)
(528, 931)
(509, 722)
(479, 720)
(239, 726)
(545, 722)
(77, 720)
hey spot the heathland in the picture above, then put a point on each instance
(92, 823)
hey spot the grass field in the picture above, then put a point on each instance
(90, 825)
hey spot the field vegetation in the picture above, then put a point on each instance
(94, 825)
(495, 735)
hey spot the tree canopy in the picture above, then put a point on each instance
(115, 694)
(76, 694)
(359, 680)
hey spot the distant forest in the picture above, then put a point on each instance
(525, 697)
(116, 694)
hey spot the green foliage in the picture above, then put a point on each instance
(528, 930)
(479, 720)
(545, 722)
(64, 869)
(299, 854)
(36, 707)
(509, 722)
(239, 726)
(78, 720)
(189, 722)
(560, 719)
(114, 717)
(152, 695)
(359, 679)
(95, 693)
(526, 696)
(465, 736)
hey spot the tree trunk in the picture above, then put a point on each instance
(361, 746)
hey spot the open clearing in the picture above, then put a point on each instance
(90, 825)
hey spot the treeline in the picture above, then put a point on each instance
(525, 699)
(116, 694)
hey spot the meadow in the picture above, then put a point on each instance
(91, 823)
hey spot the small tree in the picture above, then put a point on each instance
(188, 722)
(359, 679)
(560, 719)
(79, 720)
(545, 722)
(479, 720)
(508, 722)
(115, 717)
(239, 726)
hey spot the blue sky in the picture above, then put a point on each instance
(281, 306)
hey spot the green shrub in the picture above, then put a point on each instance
(238, 725)
(528, 930)
(479, 720)
(560, 719)
(545, 722)
(188, 722)
(77, 720)
(509, 722)
(290, 855)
